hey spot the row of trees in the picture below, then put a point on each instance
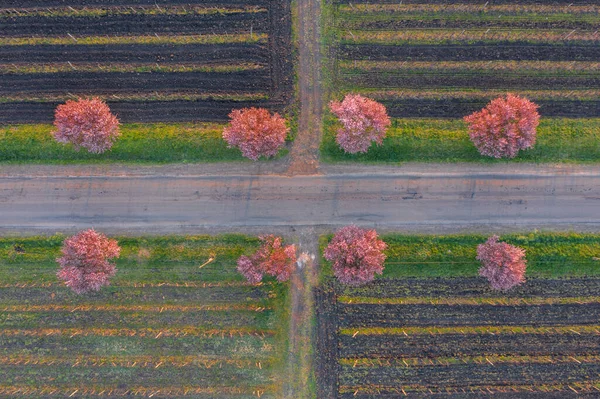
(500, 130)
(356, 256)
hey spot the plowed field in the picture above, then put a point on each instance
(122, 51)
(405, 335)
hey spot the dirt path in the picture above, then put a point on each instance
(300, 358)
(304, 155)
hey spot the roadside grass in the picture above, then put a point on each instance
(549, 255)
(138, 143)
(124, 334)
(143, 259)
(447, 140)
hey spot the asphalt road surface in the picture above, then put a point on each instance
(172, 204)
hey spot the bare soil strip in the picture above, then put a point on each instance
(304, 155)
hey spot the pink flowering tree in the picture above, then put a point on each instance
(356, 255)
(85, 264)
(363, 121)
(502, 264)
(86, 123)
(272, 258)
(504, 127)
(256, 132)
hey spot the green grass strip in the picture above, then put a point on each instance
(159, 142)
(443, 140)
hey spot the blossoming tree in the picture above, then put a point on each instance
(502, 264)
(363, 121)
(256, 132)
(272, 258)
(85, 264)
(504, 127)
(356, 255)
(86, 123)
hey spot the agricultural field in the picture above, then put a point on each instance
(166, 61)
(431, 328)
(164, 328)
(440, 61)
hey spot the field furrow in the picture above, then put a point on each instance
(351, 315)
(472, 287)
(163, 54)
(499, 51)
(134, 24)
(465, 375)
(82, 82)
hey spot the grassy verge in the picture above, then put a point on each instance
(548, 254)
(219, 336)
(158, 143)
(443, 140)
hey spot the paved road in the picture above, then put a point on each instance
(157, 204)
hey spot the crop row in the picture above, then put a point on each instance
(464, 315)
(136, 24)
(154, 3)
(161, 54)
(537, 67)
(466, 80)
(70, 41)
(419, 20)
(60, 68)
(468, 301)
(135, 111)
(194, 296)
(35, 375)
(469, 374)
(470, 52)
(453, 287)
(86, 11)
(145, 391)
(575, 390)
(538, 10)
(83, 82)
(447, 361)
(176, 319)
(247, 347)
(497, 36)
(452, 108)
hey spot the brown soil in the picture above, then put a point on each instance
(304, 155)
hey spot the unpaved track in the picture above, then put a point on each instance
(179, 204)
(304, 155)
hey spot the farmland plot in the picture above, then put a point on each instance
(432, 59)
(431, 329)
(164, 328)
(165, 61)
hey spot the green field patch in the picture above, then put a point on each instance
(443, 140)
(160, 142)
(216, 336)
